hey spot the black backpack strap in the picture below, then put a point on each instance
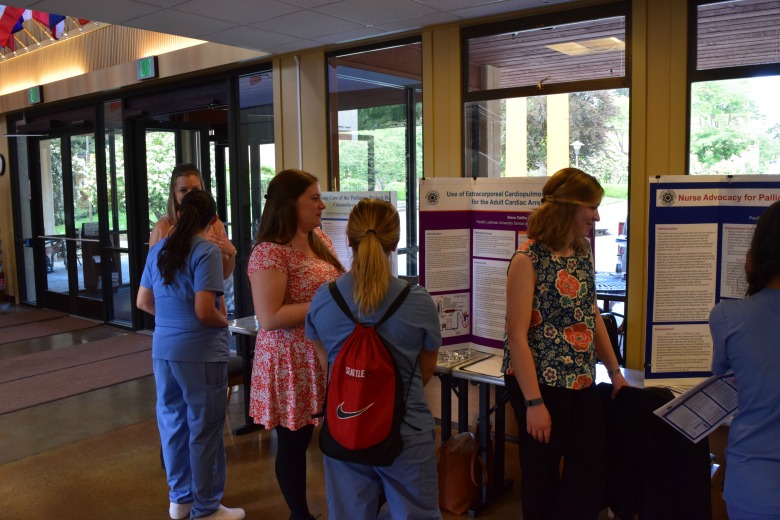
(341, 302)
(337, 296)
(394, 306)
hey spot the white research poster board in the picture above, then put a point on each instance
(338, 205)
(469, 230)
(700, 229)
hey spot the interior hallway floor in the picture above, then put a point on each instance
(96, 455)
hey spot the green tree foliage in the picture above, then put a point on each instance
(723, 127)
(376, 156)
(160, 160)
(537, 134)
(388, 116)
(599, 120)
(84, 172)
(58, 201)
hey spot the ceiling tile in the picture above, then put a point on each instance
(106, 12)
(375, 12)
(244, 13)
(180, 23)
(309, 4)
(281, 25)
(250, 38)
(411, 24)
(451, 5)
(497, 8)
(164, 3)
(348, 36)
(297, 45)
(27, 4)
(307, 24)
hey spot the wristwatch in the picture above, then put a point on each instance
(533, 402)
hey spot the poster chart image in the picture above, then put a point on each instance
(334, 219)
(469, 230)
(700, 230)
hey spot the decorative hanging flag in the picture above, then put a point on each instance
(12, 21)
(54, 22)
(9, 16)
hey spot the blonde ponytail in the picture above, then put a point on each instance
(373, 231)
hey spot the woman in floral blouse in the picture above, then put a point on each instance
(292, 257)
(554, 335)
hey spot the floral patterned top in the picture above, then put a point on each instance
(563, 318)
(288, 383)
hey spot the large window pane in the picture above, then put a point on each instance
(735, 127)
(538, 135)
(257, 137)
(117, 210)
(734, 116)
(551, 92)
(737, 33)
(376, 130)
(587, 50)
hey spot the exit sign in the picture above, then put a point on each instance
(35, 95)
(146, 68)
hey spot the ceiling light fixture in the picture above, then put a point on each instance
(589, 46)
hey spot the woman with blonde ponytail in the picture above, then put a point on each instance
(413, 334)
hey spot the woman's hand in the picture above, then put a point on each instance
(618, 382)
(538, 423)
(221, 241)
(218, 236)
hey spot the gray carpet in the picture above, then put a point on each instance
(51, 386)
(39, 363)
(38, 329)
(9, 319)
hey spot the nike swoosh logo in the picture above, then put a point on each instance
(341, 414)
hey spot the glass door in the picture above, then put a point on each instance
(162, 145)
(375, 109)
(166, 144)
(74, 261)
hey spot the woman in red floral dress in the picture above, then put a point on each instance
(554, 335)
(292, 257)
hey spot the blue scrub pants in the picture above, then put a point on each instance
(736, 513)
(411, 484)
(191, 408)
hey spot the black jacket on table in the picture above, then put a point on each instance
(653, 470)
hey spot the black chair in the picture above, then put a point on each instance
(610, 321)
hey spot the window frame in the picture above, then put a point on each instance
(724, 73)
(412, 218)
(537, 22)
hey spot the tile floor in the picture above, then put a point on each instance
(96, 455)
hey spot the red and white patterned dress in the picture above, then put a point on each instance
(288, 384)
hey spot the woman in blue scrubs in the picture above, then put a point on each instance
(745, 340)
(413, 335)
(181, 286)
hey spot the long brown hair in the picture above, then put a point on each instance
(373, 231)
(763, 257)
(198, 209)
(180, 170)
(566, 189)
(279, 221)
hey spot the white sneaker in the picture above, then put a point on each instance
(227, 513)
(180, 511)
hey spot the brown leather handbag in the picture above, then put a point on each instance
(461, 473)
